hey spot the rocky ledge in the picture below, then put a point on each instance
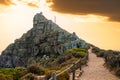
(44, 40)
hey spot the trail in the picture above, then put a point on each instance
(95, 70)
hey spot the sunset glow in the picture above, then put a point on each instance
(16, 19)
(91, 18)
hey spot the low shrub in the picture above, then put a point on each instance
(72, 53)
(112, 58)
(6, 77)
(36, 69)
(14, 72)
(118, 72)
(95, 50)
(75, 50)
(64, 76)
(61, 60)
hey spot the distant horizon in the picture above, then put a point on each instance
(91, 22)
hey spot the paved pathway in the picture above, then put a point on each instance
(95, 70)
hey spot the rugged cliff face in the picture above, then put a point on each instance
(44, 40)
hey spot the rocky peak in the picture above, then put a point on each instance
(39, 18)
(45, 39)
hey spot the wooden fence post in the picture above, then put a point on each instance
(73, 78)
(80, 64)
(53, 76)
(80, 67)
(87, 56)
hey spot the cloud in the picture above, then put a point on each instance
(32, 5)
(6, 2)
(5, 5)
(109, 8)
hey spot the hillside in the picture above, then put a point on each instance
(45, 40)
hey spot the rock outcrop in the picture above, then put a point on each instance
(44, 40)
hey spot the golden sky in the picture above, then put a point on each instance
(95, 21)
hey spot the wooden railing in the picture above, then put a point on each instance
(73, 67)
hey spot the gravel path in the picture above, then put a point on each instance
(95, 70)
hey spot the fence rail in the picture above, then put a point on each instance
(73, 68)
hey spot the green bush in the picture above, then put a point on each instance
(20, 68)
(111, 58)
(15, 72)
(68, 62)
(118, 72)
(36, 69)
(76, 52)
(95, 50)
(61, 59)
(6, 77)
(100, 53)
(64, 76)
(70, 56)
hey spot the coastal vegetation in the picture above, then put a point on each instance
(56, 64)
(112, 59)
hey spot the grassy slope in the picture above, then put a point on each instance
(55, 64)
